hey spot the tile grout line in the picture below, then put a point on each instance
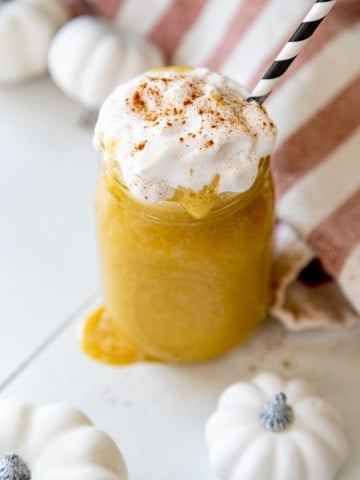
(23, 365)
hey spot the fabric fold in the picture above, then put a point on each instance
(302, 295)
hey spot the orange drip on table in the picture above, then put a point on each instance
(100, 340)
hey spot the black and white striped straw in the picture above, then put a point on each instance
(291, 50)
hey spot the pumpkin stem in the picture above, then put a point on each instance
(276, 415)
(12, 467)
(88, 116)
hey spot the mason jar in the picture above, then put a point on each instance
(178, 288)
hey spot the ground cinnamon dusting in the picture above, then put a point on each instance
(141, 145)
(138, 102)
(151, 117)
(153, 101)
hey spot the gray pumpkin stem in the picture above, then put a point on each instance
(276, 415)
(12, 467)
(88, 117)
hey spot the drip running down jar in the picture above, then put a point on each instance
(184, 279)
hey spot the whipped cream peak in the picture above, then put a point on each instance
(182, 128)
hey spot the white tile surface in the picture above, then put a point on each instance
(47, 250)
(156, 413)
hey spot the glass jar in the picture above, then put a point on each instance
(177, 288)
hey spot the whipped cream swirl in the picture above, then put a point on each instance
(183, 127)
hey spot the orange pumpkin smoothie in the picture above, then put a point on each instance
(185, 263)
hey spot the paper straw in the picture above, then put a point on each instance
(291, 50)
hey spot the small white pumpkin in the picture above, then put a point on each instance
(254, 434)
(54, 442)
(88, 58)
(26, 30)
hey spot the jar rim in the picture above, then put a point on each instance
(227, 204)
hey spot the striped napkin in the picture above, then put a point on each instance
(316, 106)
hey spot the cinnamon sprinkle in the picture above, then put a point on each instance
(152, 104)
(138, 102)
(141, 146)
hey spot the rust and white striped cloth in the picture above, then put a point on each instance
(316, 106)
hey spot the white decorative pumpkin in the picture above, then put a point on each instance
(255, 435)
(88, 58)
(26, 30)
(54, 442)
